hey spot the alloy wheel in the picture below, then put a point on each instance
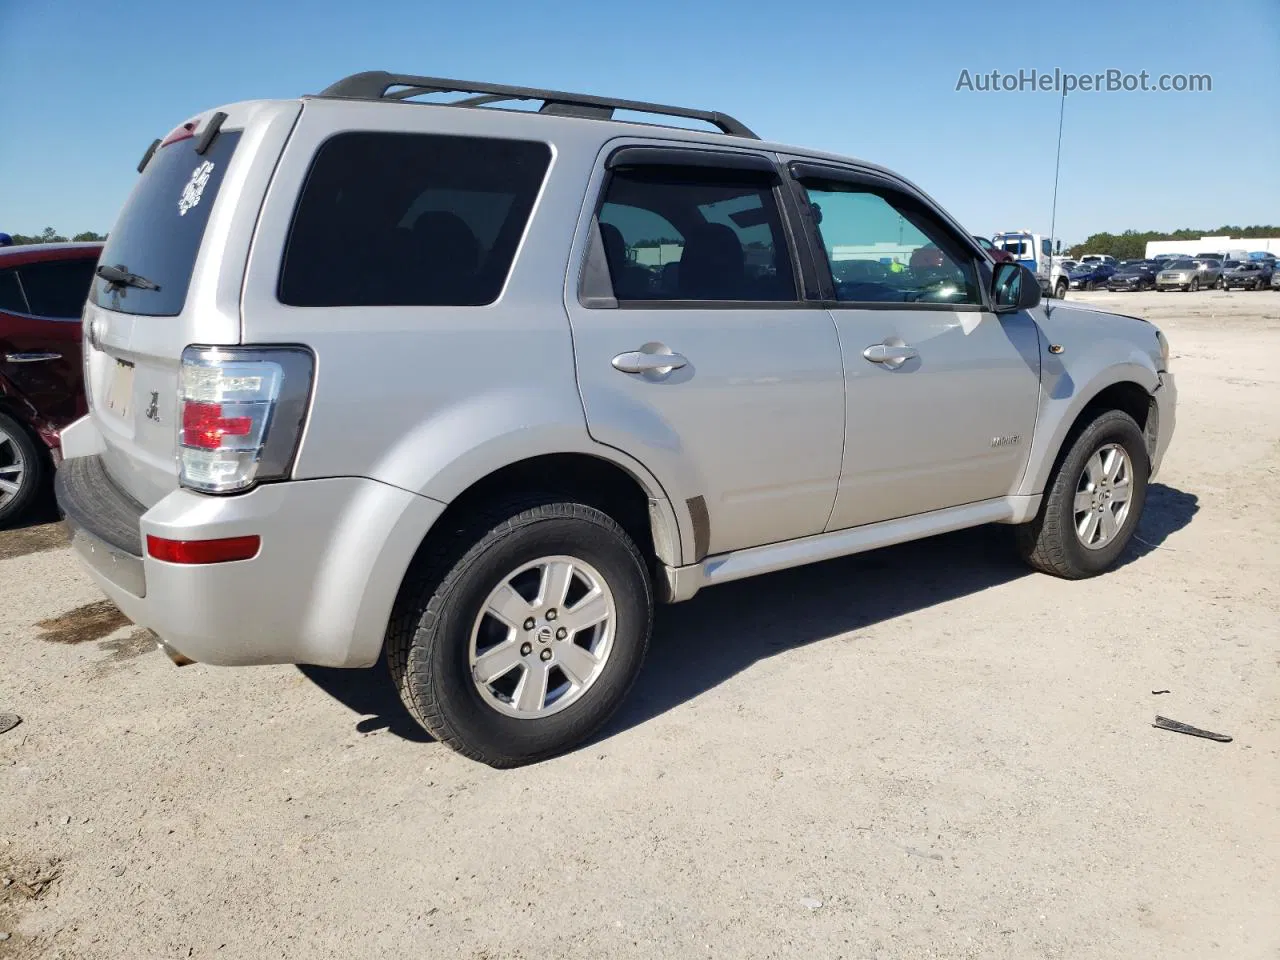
(1103, 496)
(542, 637)
(13, 467)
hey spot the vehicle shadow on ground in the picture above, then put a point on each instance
(698, 645)
(371, 694)
(722, 631)
(1167, 511)
(36, 531)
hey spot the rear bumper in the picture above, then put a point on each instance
(319, 591)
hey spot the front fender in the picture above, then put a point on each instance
(1091, 360)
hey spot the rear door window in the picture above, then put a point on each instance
(398, 219)
(672, 233)
(11, 297)
(159, 230)
(57, 288)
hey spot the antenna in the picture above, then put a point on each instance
(1057, 166)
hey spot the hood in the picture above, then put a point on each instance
(1062, 309)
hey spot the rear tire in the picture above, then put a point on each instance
(1055, 541)
(23, 468)
(446, 624)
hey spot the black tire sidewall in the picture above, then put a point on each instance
(1110, 427)
(33, 474)
(504, 740)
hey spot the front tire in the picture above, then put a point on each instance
(22, 470)
(1060, 291)
(527, 643)
(1093, 502)
(1195, 284)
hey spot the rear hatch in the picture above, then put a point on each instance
(181, 239)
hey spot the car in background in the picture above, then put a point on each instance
(1275, 279)
(1134, 275)
(1099, 258)
(996, 254)
(43, 288)
(1090, 275)
(1189, 274)
(1248, 275)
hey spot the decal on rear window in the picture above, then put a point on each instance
(194, 189)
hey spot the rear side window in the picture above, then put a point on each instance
(396, 219)
(159, 230)
(57, 288)
(694, 234)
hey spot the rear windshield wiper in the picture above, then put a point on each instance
(119, 276)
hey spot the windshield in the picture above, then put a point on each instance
(1180, 265)
(158, 232)
(1232, 263)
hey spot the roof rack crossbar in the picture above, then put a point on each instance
(377, 84)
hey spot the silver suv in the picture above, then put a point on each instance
(476, 385)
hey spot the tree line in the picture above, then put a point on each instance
(50, 235)
(1132, 244)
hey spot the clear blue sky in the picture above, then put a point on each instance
(89, 84)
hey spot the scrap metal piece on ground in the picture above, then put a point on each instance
(1164, 723)
(8, 721)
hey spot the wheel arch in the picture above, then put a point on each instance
(601, 479)
(1129, 389)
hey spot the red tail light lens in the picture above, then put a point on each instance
(224, 550)
(204, 425)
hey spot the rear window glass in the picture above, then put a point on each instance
(57, 288)
(158, 232)
(396, 219)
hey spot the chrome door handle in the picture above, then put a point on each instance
(639, 361)
(31, 357)
(890, 354)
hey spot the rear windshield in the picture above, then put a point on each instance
(410, 220)
(158, 232)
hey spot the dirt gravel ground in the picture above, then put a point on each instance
(921, 752)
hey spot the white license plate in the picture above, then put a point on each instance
(120, 389)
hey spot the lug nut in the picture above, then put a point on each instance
(545, 654)
(530, 624)
(551, 614)
(526, 649)
(561, 633)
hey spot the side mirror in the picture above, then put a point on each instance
(1014, 287)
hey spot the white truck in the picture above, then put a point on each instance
(1035, 252)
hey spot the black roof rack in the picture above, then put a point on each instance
(375, 84)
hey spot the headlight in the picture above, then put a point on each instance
(1164, 350)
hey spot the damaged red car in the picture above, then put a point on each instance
(43, 288)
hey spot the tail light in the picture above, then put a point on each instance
(241, 413)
